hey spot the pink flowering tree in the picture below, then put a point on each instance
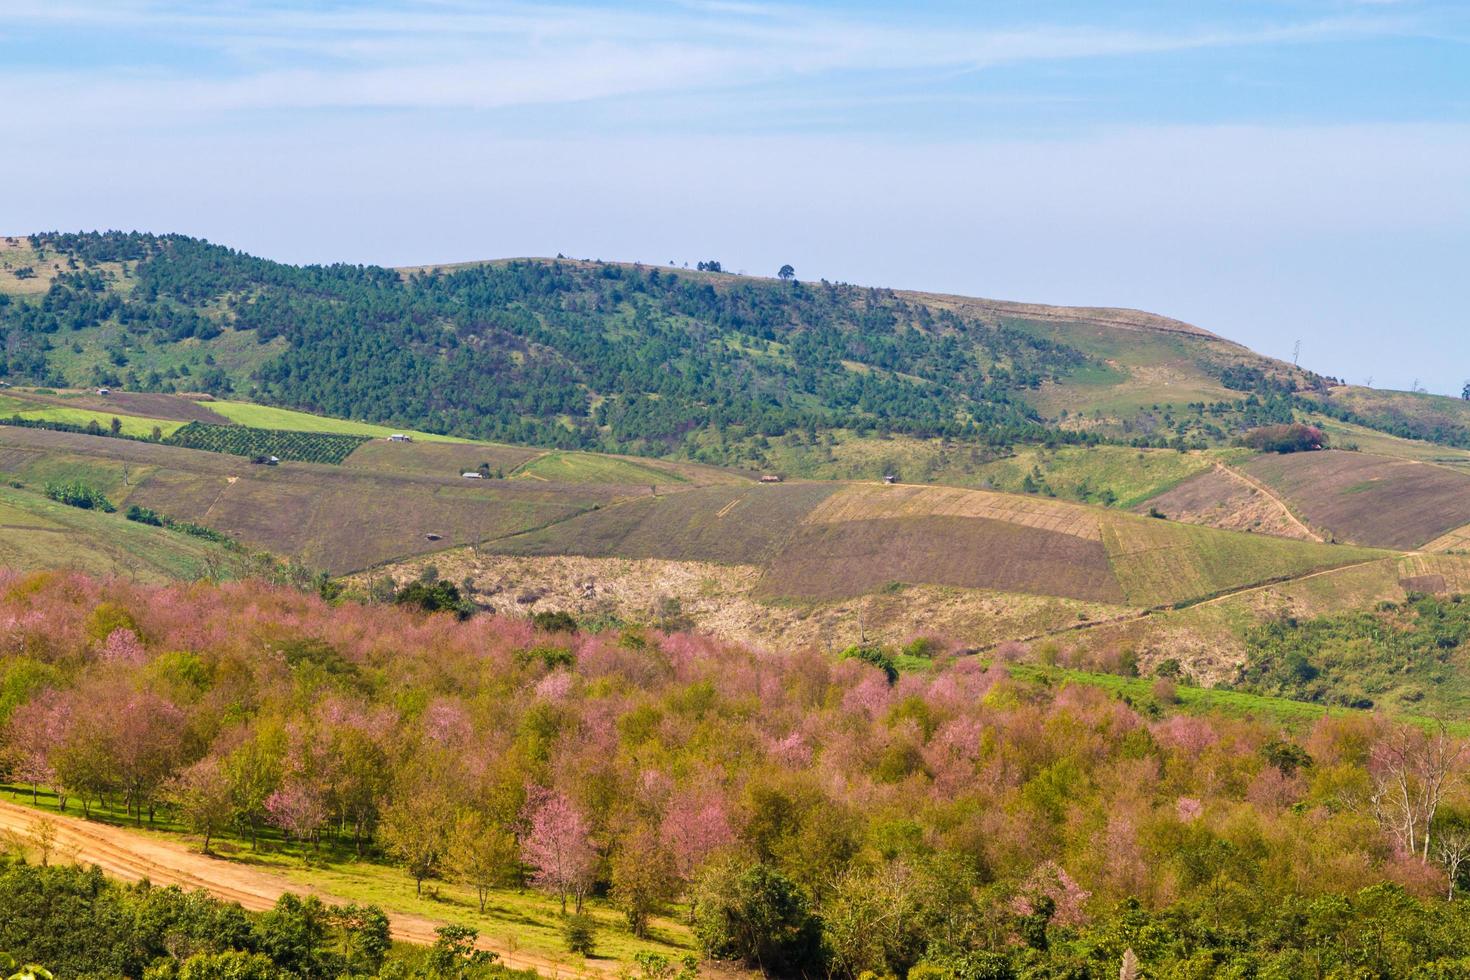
(298, 808)
(558, 845)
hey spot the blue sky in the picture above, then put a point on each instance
(1272, 171)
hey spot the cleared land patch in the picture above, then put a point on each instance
(728, 524)
(1369, 499)
(591, 468)
(38, 533)
(141, 404)
(827, 559)
(437, 458)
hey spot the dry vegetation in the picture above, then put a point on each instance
(1221, 498)
(1368, 499)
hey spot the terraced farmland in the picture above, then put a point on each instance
(1369, 499)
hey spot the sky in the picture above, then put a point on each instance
(1276, 171)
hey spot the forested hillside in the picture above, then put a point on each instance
(597, 355)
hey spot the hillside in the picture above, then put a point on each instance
(592, 355)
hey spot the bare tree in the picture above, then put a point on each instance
(1453, 849)
(1410, 768)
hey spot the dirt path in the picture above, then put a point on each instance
(132, 855)
(1266, 491)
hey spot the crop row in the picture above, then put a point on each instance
(240, 440)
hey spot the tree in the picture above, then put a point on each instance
(1410, 768)
(481, 854)
(580, 933)
(558, 846)
(415, 826)
(642, 879)
(1465, 391)
(757, 915)
(453, 954)
(253, 771)
(787, 273)
(202, 796)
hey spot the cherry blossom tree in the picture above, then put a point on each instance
(558, 846)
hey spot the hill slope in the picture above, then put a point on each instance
(657, 361)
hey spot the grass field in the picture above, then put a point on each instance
(141, 404)
(1161, 562)
(38, 533)
(1295, 715)
(1369, 499)
(131, 425)
(591, 468)
(269, 417)
(437, 458)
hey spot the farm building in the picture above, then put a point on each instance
(104, 391)
(400, 437)
(771, 478)
(472, 475)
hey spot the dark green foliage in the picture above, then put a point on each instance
(241, 440)
(434, 597)
(1404, 653)
(758, 916)
(144, 515)
(548, 656)
(580, 933)
(876, 656)
(556, 621)
(79, 494)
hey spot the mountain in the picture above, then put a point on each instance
(649, 360)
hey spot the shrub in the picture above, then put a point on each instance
(876, 656)
(435, 597)
(580, 933)
(554, 621)
(1294, 437)
(79, 494)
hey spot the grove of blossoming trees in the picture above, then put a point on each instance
(804, 814)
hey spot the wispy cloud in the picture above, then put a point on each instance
(447, 55)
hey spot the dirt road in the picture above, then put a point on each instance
(132, 855)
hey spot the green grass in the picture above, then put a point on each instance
(1161, 562)
(1201, 700)
(43, 534)
(591, 468)
(132, 425)
(269, 417)
(522, 919)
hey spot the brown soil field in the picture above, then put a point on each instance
(826, 560)
(738, 524)
(1223, 499)
(1368, 499)
(860, 502)
(137, 403)
(134, 855)
(721, 600)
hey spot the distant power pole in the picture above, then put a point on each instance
(1369, 382)
(1296, 354)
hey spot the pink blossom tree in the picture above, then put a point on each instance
(298, 808)
(559, 847)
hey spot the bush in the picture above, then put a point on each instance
(554, 621)
(434, 597)
(144, 515)
(876, 656)
(1291, 438)
(580, 933)
(79, 494)
(756, 915)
